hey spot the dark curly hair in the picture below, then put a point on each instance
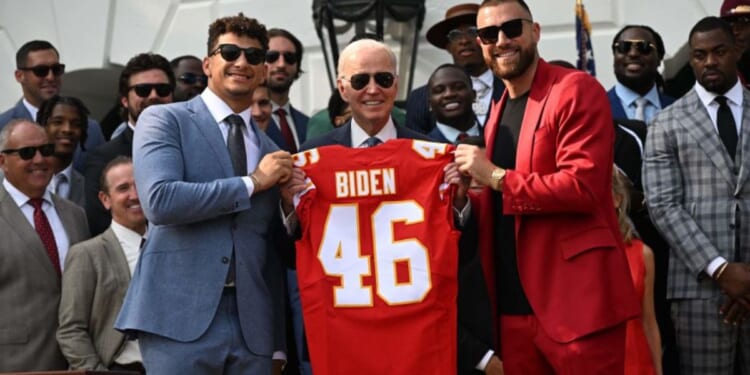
(48, 106)
(240, 25)
(141, 63)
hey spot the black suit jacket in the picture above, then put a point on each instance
(474, 320)
(122, 145)
(418, 114)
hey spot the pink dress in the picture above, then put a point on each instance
(637, 353)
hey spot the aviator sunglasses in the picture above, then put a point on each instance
(511, 29)
(289, 57)
(643, 47)
(144, 89)
(360, 80)
(28, 153)
(192, 78)
(42, 71)
(231, 52)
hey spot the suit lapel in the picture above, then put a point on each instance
(18, 224)
(538, 96)
(300, 124)
(698, 125)
(744, 149)
(116, 255)
(201, 119)
(343, 135)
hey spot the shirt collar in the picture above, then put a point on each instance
(68, 171)
(219, 110)
(628, 96)
(450, 133)
(287, 107)
(487, 77)
(359, 136)
(21, 198)
(30, 107)
(734, 94)
(127, 235)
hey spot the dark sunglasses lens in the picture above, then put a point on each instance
(229, 52)
(359, 81)
(40, 71)
(290, 58)
(272, 56)
(384, 79)
(254, 56)
(488, 35)
(513, 28)
(643, 47)
(163, 89)
(142, 90)
(191, 79)
(47, 150)
(58, 69)
(27, 153)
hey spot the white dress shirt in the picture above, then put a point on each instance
(130, 241)
(359, 136)
(483, 86)
(60, 183)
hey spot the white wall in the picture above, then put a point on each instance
(100, 33)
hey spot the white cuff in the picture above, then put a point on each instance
(485, 360)
(714, 265)
(249, 185)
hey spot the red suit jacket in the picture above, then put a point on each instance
(571, 258)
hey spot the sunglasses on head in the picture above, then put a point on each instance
(144, 89)
(192, 78)
(28, 153)
(289, 57)
(511, 29)
(643, 47)
(231, 52)
(42, 71)
(455, 34)
(383, 79)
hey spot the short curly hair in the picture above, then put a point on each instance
(240, 25)
(48, 106)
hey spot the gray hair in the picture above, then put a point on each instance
(356, 46)
(12, 125)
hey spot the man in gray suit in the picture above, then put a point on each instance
(36, 228)
(207, 290)
(39, 72)
(695, 175)
(97, 275)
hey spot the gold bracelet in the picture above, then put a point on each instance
(256, 181)
(721, 270)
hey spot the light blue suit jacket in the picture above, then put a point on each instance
(198, 212)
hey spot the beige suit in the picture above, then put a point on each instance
(30, 288)
(95, 280)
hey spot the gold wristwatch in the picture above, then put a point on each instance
(498, 174)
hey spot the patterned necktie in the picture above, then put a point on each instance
(727, 127)
(236, 144)
(372, 142)
(461, 137)
(42, 227)
(640, 108)
(286, 131)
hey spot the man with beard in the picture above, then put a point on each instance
(550, 245)
(39, 72)
(147, 79)
(695, 179)
(457, 35)
(637, 52)
(283, 61)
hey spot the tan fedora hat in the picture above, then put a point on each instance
(455, 16)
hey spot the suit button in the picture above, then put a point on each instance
(224, 260)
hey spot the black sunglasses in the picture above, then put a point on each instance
(455, 34)
(643, 47)
(42, 71)
(144, 89)
(192, 78)
(289, 57)
(511, 29)
(28, 153)
(383, 79)
(231, 52)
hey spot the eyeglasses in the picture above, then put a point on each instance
(643, 47)
(455, 34)
(144, 89)
(289, 57)
(28, 153)
(360, 80)
(42, 71)
(192, 78)
(511, 29)
(231, 52)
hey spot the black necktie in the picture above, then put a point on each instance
(373, 141)
(236, 144)
(727, 127)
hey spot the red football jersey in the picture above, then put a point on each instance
(378, 259)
